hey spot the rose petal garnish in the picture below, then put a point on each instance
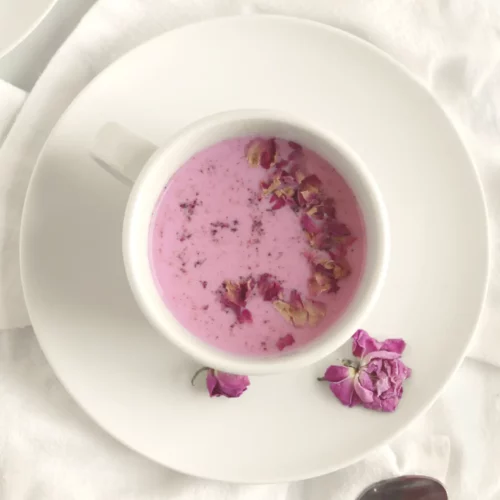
(363, 345)
(324, 209)
(276, 202)
(285, 192)
(281, 164)
(281, 196)
(376, 382)
(320, 283)
(237, 293)
(315, 310)
(298, 174)
(261, 152)
(341, 380)
(269, 288)
(308, 225)
(296, 300)
(234, 297)
(244, 316)
(287, 178)
(225, 384)
(295, 145)
(297, 317)
(300, 313)
(270, 187)
(285, 341)
(297, 157)
(309, 191)
(336, 229)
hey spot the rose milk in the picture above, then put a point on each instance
(213, 225)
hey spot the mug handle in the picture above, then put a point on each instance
(121, 153)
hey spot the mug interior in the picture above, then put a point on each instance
(210, 131)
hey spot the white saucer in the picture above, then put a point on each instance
(18, 18)
(128, 378)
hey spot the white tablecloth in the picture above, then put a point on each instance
(50, 450)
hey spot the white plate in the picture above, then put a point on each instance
(18, 18)
(128, 378)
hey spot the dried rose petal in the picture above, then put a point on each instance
(363, 345)
(309, 191)
(237, 293)
(281, 197)
(341, 380)
(244, 316)
(270, 187)
(319, 283)
(298, 174)
(308, 225)
(226, 384)
(235, 296)
(285, 341)
(316, 311)
(287, 178)
(325, 209)
(300, 313)
(295, 145)
(336, 229)
(281, 164)
(261, 152)
(320, 240)
(297, 316)
(296, 300)
(268, 287)
(276, 202)
(297, 157)
(376, 382)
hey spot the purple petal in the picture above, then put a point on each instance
(373, 367)
(232, 385)
(380, 355)
(341, 380)
(336, 373)
(344, 391)
(382, 384)
(212, 383)
(363, 344)
(393, 345)
(366, 380)
(386, 405)
(285, 341)
(365, 395)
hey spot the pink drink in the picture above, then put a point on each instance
(212, 225)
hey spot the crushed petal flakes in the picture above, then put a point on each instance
(290, 184)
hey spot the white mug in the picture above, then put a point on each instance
(147, 169)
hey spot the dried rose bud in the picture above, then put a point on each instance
(376, 380)
(223, 384)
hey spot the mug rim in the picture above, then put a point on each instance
(140, 276)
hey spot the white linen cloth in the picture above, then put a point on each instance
(50, 450)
